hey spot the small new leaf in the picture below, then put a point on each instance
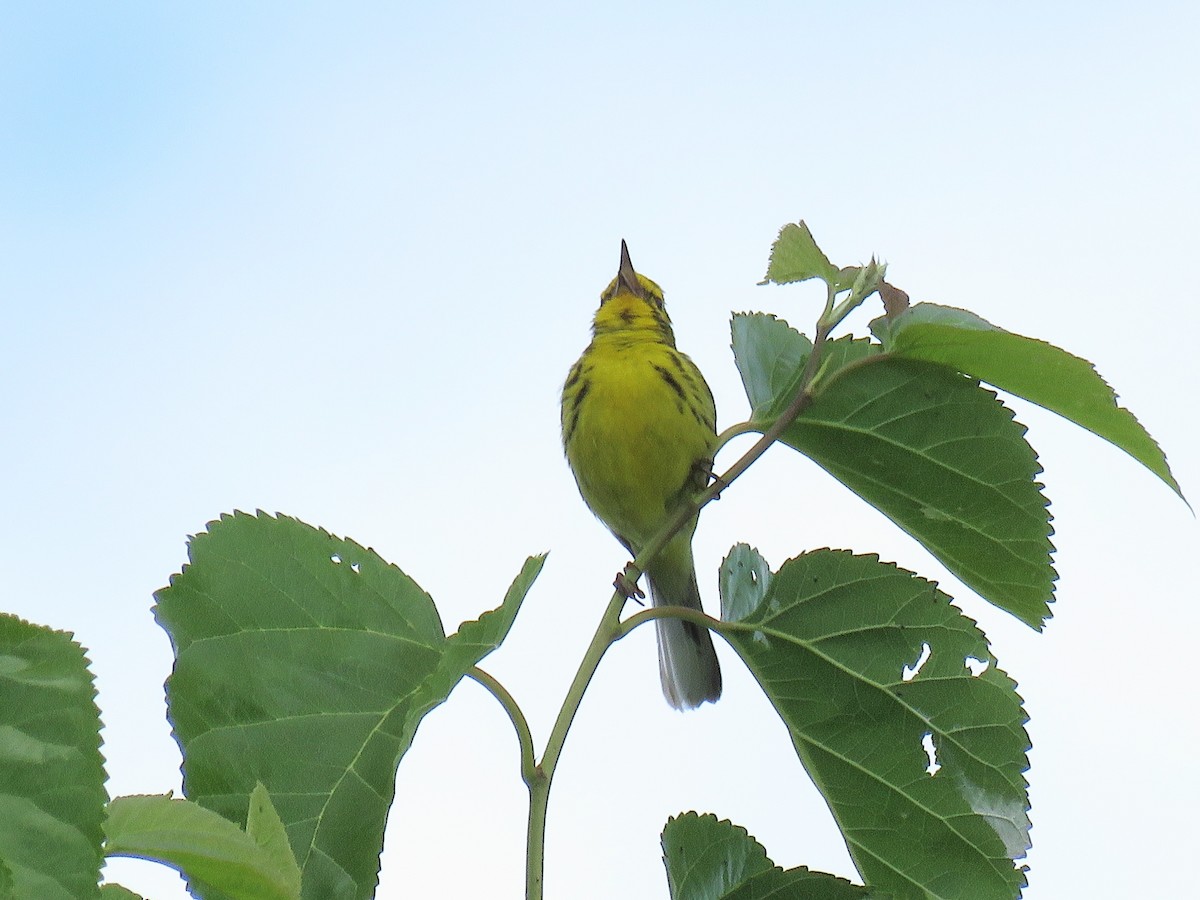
(795, 256)
(846, 278)
(895, 301)
(207, 849)
(770, 356)
(266, 829)
(744, 579)
(868, 280)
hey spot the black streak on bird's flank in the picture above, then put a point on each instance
(677, 365)
(574, 423)
(673, 382)
(576, 373)
(684, 375)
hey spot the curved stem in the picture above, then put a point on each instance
(685, 613)
(520, 723)
(734, 431)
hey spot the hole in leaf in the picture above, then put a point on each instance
(976, 666)
(908, 673)
(354, 568)
(761, 638)
(335, 558)
(930, 749)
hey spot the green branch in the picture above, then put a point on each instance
(520, 723)
(686, 613)
(542, 775)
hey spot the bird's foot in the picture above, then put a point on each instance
(710, 477)
(626, 584)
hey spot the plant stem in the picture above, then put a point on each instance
(520, 723)
(685, 613)
(541, 776)
(734, 431)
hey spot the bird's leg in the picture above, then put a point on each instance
(708, 475)
(627, 586)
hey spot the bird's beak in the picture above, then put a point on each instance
(626, 277)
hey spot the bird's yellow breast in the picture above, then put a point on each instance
(638, 426)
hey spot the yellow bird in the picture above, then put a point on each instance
(638, 428)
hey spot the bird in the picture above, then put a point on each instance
(638, 431)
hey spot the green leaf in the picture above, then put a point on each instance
(886, 329)
(868, 667)
(744, 578)
(6, 883)
(298, 655)
(1034, 370)
(117, 892)
(770, 356)
(305, 662)
(205, 847)
(943, 459)
(848, 276)
(706, 857)
(861, 282)
(796, 884)
(895, 302)
(838, 354)
(51, 771)
(795, 256)
(266, 829)
(933, 451)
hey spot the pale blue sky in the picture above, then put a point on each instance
(335, 260)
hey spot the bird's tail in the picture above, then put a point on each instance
(687, 661)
